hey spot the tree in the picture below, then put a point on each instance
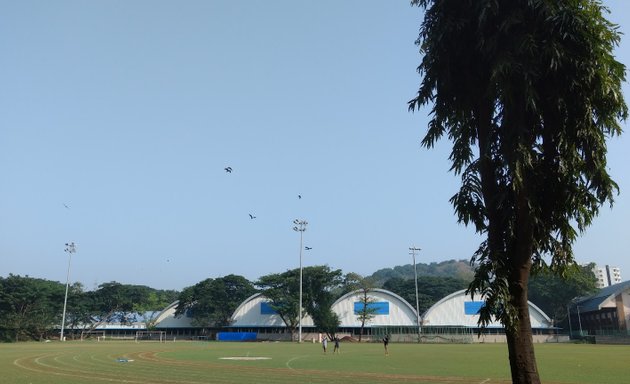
(212, 302)
(320, 284)
(112, 302)
(367, 311)
(29, 308)
(282, 291)
(552, 294)
(151, 305)
(116, 302)
(532, 87)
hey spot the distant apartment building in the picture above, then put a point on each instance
(607, 276)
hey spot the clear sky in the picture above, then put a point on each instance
(117, 119)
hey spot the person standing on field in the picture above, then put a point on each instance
(325, 344)
(336, 350)
(385, 344)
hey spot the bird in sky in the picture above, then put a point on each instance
(66, 206)
(308, 248)
(252, 216)
(299, 196)
(228, 169)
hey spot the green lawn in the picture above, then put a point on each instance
(205, 362)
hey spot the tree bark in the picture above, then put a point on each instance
(519, 252)
(519, 339)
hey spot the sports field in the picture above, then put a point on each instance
(365, 363)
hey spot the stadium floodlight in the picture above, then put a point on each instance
(70, 249)
(415, 273)
(300, 226)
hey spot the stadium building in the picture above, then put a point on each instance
(452, 319)
(389, 310)
(456, 318)
(605, 313)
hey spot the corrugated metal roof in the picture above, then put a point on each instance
(594, 302)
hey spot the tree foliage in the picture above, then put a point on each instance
(460, 269)
(32, 308)
(212, 302)
(552, 293)
(528, 91)
(282, 291)
(114, 302)
(29, 307)
(318, 294)
(320, 284)
(366, 312)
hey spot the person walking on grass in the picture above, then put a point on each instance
(385, 344)
(336, 350)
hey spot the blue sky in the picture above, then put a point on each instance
(118, 118)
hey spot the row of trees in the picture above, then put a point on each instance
(31, 308)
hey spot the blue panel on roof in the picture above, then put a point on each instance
(236, 336)
(472, 307)
(265, 309)
(379, 307)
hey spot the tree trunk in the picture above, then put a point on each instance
(519, 336)
(521, 344)
(362, 327)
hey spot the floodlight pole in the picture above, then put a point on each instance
(70, 249)
(415, 273)
(300, 226)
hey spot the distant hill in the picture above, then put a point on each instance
(460, 269)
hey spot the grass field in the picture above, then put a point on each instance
(214, 362)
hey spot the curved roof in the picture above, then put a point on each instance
(390, 309)
(456, 309)
(459, 309)
(253, 312)
(167, 318)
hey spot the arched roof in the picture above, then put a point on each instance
(167, 318)
(254, 312)
(459, 309)
(456, 309)
(392, 310)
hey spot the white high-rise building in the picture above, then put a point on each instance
(607, 276)
(614, 274)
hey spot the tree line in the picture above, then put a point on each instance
(31, 308)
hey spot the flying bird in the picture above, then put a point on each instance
(299, 196)
(252, 216)
(66, 206)
(228, 169)
(308, 248)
